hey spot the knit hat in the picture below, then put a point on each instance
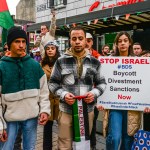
(15, 33)
(54, 42)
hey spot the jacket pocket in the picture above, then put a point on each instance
(68, 77)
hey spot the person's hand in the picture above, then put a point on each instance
(100, 108)
(41, 34)
(43, 118)
(3, 136)
(147, 110)
(69, 98)
(53, 12)
(89, 97)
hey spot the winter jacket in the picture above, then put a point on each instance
(67, 78)
(95, 54)
(54, 101)
(23, 88)
(133, 122)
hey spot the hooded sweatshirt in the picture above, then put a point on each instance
(23, 88)
(76, 75)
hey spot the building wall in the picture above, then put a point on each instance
(73, 8)
(25, 10)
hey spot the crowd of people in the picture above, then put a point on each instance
(41, 88)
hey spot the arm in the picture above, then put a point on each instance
(3, 133)
(38, 41)
(44, 101)
(52, 28)
(55, 82)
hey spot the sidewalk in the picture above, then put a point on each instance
(100, 140)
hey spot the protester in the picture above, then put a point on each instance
(89, 44)
(51, 55)
(121, 125)
(24, 93)
(46, 34)
(105, 50)
(17, 145)
(75, 73)
(37, 57)
(5, 48)
(94, 53)
(137, 49)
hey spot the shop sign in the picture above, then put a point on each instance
(116, 4)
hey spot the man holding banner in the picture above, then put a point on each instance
(76, 73)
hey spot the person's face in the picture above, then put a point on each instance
(89, 43)
(78, 40)
(51, 50)
(137, 50)
(37, 53)
(6, 49)
(18, 47)
(106, 50)
(123, 43)
(44, 30)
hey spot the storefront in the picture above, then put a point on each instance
(98, 17)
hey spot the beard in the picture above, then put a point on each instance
(79, 50)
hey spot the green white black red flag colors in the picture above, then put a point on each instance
(81, 138)
(6, 20)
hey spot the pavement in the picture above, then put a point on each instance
(100, 139)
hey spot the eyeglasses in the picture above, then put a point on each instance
(5, 49)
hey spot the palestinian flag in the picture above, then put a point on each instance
(6, 20)
(81, 138)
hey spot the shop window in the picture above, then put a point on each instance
(56, 3)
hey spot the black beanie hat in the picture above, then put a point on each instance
(15, 33)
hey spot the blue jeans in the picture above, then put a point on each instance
(29, 133)
(118, 138)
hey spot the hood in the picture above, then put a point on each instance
(70, 52)
(11, 59)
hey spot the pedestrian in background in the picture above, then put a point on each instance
(37, 57)
(47, 34)
(24, 93)
(94, 53)
(137, 49)
(106, 50)
(75, 73)
(47, 63)
(5, 48)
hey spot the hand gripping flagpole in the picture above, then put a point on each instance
(81, 138)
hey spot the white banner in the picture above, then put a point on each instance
(128, 83)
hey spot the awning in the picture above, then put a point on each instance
(125, 17)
